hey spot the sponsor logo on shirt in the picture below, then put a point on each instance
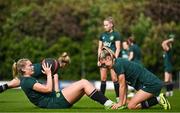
(107, 44)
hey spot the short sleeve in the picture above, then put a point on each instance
(29, 83)
(100, 38)
(119, 69)
(117, 36)
(131, 49)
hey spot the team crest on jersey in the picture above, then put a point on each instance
(112, 38)
(103, 37)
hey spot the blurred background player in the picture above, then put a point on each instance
(63, 61)
(167, 56)
(134, 55)
(147, 84)
(125, 50)
(43, 96)
(134, 51)
(125, 55)
(111, 39)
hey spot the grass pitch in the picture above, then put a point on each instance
(14, 100)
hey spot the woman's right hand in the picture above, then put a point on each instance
(46, 68)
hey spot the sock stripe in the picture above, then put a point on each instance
(94, 91)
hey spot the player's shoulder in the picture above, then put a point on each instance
(103, 34)
(120, 60)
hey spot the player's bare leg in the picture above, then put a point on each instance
(76, 90)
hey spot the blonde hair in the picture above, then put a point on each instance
(64, 58)
(110, 20)
(106, 52)
(18, 66)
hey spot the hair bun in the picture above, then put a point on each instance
(64, 54)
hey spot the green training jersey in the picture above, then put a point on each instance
(108, 39)
(43, 100)
(135, 74)
(124, 54)
(168, 60)
(136, 53)
(37, 98)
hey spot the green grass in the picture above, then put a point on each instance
(16, 101)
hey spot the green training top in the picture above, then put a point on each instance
(109, 39)
(37, 98)
(168, 61)
(134, 73)
(136, 53)
(124, 54)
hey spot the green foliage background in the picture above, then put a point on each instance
(36, 29)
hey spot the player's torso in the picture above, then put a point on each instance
(109, 39)
(167, 57)
(133, 72)
(136, 52)
(37, 98)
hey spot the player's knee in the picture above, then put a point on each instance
(84, 81)
(131, 106)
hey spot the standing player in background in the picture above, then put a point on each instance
(134, 55)
(167, 56)
(63, 61)
(111, 39)
(125, 50)
(134, 51)
(125, 55)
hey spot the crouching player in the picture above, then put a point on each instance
(43, 96)
(148, 86)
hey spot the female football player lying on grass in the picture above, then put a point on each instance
(62, 62)
(43, 96)
(148, 86)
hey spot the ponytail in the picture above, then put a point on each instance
(64, 58)
(14, 70)
(17, 67)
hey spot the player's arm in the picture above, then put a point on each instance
(100, 46)
(45, 88)
(56, 83)
(165, 44)
(131, 55)
(122, 92)
(118, 48)
(15, 82)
